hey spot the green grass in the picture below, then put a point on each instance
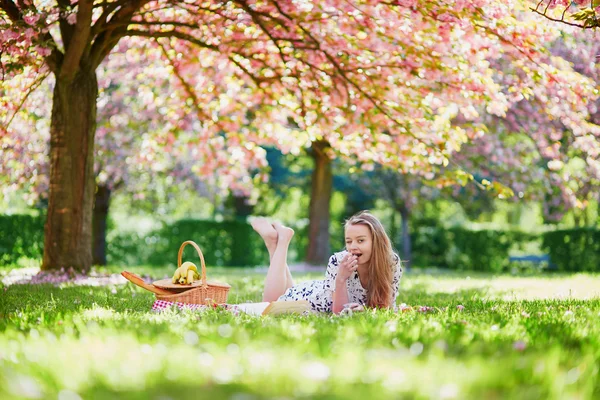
(518, 337)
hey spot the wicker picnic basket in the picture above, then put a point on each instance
(206, 293)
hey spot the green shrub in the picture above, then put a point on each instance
(483, 250)
(478, 250)
(226, 243)
(429, 246)
(21, 236)
(573, 249)
(234, 243)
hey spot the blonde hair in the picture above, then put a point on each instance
(381, 264)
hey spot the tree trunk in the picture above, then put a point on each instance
(101, 204)
(406, 245)
(320, 198)
(68, 229)
(240, 206)
(393, 228)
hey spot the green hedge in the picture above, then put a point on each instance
(234, 243)
(463, 249)
(429, 246)
(483, 250)
(222, 243)
(21, 236)
(573, 249)
(226, 243)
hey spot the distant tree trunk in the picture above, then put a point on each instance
(240, 206)
(393, 228)
(406, 244)
(101, 205)
(68, 229)
(576, 218)
(320, 199)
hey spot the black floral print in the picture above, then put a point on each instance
(320, 293)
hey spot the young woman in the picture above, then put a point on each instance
(368, 272)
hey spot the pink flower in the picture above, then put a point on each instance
(43, 51)
(460, 307)
(404, 308)
(406, 3)
(72, 19)
(525, 314)
(519, 345)
(31, 19)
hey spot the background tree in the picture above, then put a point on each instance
(576, 13)
(374, 80)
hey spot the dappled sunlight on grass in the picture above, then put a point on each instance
(457, 338)
(507, 287)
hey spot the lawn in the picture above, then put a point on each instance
(465, 336)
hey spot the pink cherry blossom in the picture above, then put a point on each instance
(410, 85)
(519, 345)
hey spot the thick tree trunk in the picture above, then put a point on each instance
(68, 230)
(240, 206)
(101, 205)
(320, 199)
(406, 245)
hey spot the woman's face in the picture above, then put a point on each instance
(359, 242)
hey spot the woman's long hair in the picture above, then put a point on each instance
(381, 264)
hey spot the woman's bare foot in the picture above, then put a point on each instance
(267, 232)
(283, 232)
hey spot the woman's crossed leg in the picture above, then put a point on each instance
(277, 240)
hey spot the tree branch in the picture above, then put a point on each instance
(195, 9)
(66, 29)
(30, 90)
(562, 20)
(106, 13)
(79, 42)
(187, 87)
(256, 18)
(54, 60)
(11, 10)
(151, 23)
(106, 40)
(172, 33)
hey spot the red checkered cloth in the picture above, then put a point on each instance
(161, 305)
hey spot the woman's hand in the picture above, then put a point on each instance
(348, 265)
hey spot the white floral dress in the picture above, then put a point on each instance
(320, 293)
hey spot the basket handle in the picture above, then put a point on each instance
(204, 284)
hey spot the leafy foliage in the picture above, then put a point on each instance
(234, 243)
(21, 236)
(573, 249)
(483, 250)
